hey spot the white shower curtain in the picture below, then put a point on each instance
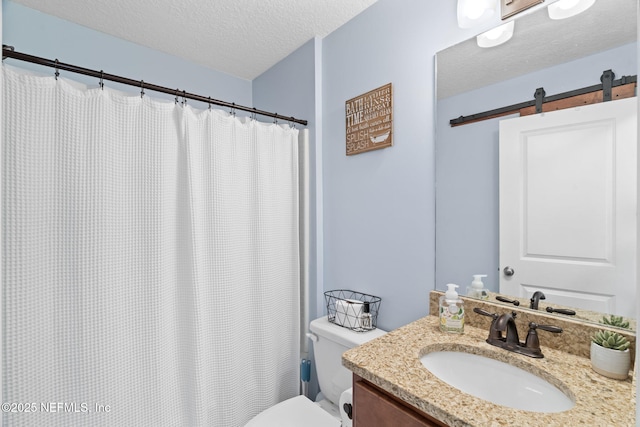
(151, 260)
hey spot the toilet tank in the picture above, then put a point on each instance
(333, 340)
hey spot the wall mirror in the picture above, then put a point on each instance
(558, 56)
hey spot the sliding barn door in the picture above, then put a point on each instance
(568, 206)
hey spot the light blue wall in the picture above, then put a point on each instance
(376, 212)
(467, 205)
(378, 207)
(379, 213)
(38, 34)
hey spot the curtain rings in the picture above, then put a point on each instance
(275, 119)
(184, 97)
(233, 109)
(141, 88)
(57, 73)
(209, 103)
(254, 115)
(177, 95)
(101, 80)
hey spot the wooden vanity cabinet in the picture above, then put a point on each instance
(374, 407)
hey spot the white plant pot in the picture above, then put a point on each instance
(610, 363)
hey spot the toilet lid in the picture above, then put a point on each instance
(295, 412)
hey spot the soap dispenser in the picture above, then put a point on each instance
(476, 290)
(451, 311)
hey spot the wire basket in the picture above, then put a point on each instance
(352, 310)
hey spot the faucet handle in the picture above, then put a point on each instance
(561, 311)
(532, 342)
(485, 313)
(507, 300)
(494, 335)
(548, 328)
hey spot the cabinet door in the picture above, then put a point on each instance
(373, 407)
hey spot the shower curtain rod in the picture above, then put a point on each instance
(9, 52)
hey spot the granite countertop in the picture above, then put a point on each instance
(392, 362)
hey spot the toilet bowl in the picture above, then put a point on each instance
(295, 412)
(329, 342)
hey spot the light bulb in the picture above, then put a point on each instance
(567, 4)
(474, 12)
(496, 36)
(563, 9)
(494, 33)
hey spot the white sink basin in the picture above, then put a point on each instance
(496, 381)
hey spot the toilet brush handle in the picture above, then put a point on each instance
(305, 370)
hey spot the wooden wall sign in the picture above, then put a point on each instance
(369, 120)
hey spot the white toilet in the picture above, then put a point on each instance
(329, 342)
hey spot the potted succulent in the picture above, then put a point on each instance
(617, 321)
(610, 354)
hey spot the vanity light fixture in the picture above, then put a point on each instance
(563, 9)
(474, 12)
(496, 36)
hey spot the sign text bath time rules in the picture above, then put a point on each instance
(369, 120)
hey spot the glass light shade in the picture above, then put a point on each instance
(563, 9)
(474, 12)
(497, 35)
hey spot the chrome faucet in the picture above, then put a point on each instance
(510, 341)
(535, 299)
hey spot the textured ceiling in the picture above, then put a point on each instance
(538, 42)
(243, 38)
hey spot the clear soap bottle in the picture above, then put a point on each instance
(451, 311)
(477, 290)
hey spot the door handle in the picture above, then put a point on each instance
(508, 271)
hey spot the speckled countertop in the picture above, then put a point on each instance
(392, 362)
